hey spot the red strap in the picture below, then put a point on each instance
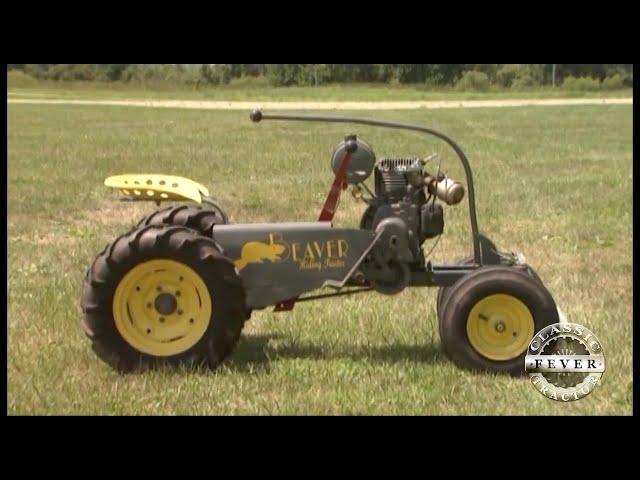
(339, 184)
(326, 215)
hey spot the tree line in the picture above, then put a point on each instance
(467, 75)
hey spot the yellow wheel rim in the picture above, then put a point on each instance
(500, 327)
(162, 307)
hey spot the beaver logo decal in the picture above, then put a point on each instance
(257, 252)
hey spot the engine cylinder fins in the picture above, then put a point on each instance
(394, 183)
(401, 165)
(393, 175)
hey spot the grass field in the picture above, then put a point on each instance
(553, 182)
(358, 92)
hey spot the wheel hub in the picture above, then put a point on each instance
(166, 303)
(162, 307)
(499, 327)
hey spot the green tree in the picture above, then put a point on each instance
(110, 72)
(251, 69)
(283, 74)
(506, 74)
(38, 70)
(489, 69)
(206, 73)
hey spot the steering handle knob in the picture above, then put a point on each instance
(351, 143)
(255, 116)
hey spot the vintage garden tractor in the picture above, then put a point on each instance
(179, 286)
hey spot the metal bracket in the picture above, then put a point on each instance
(338, 285)
(489, 252)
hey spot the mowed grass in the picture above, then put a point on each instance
(552, 182)
(343, 92)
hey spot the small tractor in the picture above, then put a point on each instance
(179, 287)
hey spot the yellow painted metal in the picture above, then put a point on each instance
(150, 331)
(157, 187)
(500, 327)
(256, 252)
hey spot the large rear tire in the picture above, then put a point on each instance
(490, 317)
(162, 295)
(195, 217)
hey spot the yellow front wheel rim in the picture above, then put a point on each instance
(500, 327)
(162, 307)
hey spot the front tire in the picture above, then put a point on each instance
(445, 292)
(162, 295)
(490, 317)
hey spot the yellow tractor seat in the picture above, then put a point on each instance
(157, 187)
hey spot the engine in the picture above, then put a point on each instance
(402, 207)
(403, 190)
